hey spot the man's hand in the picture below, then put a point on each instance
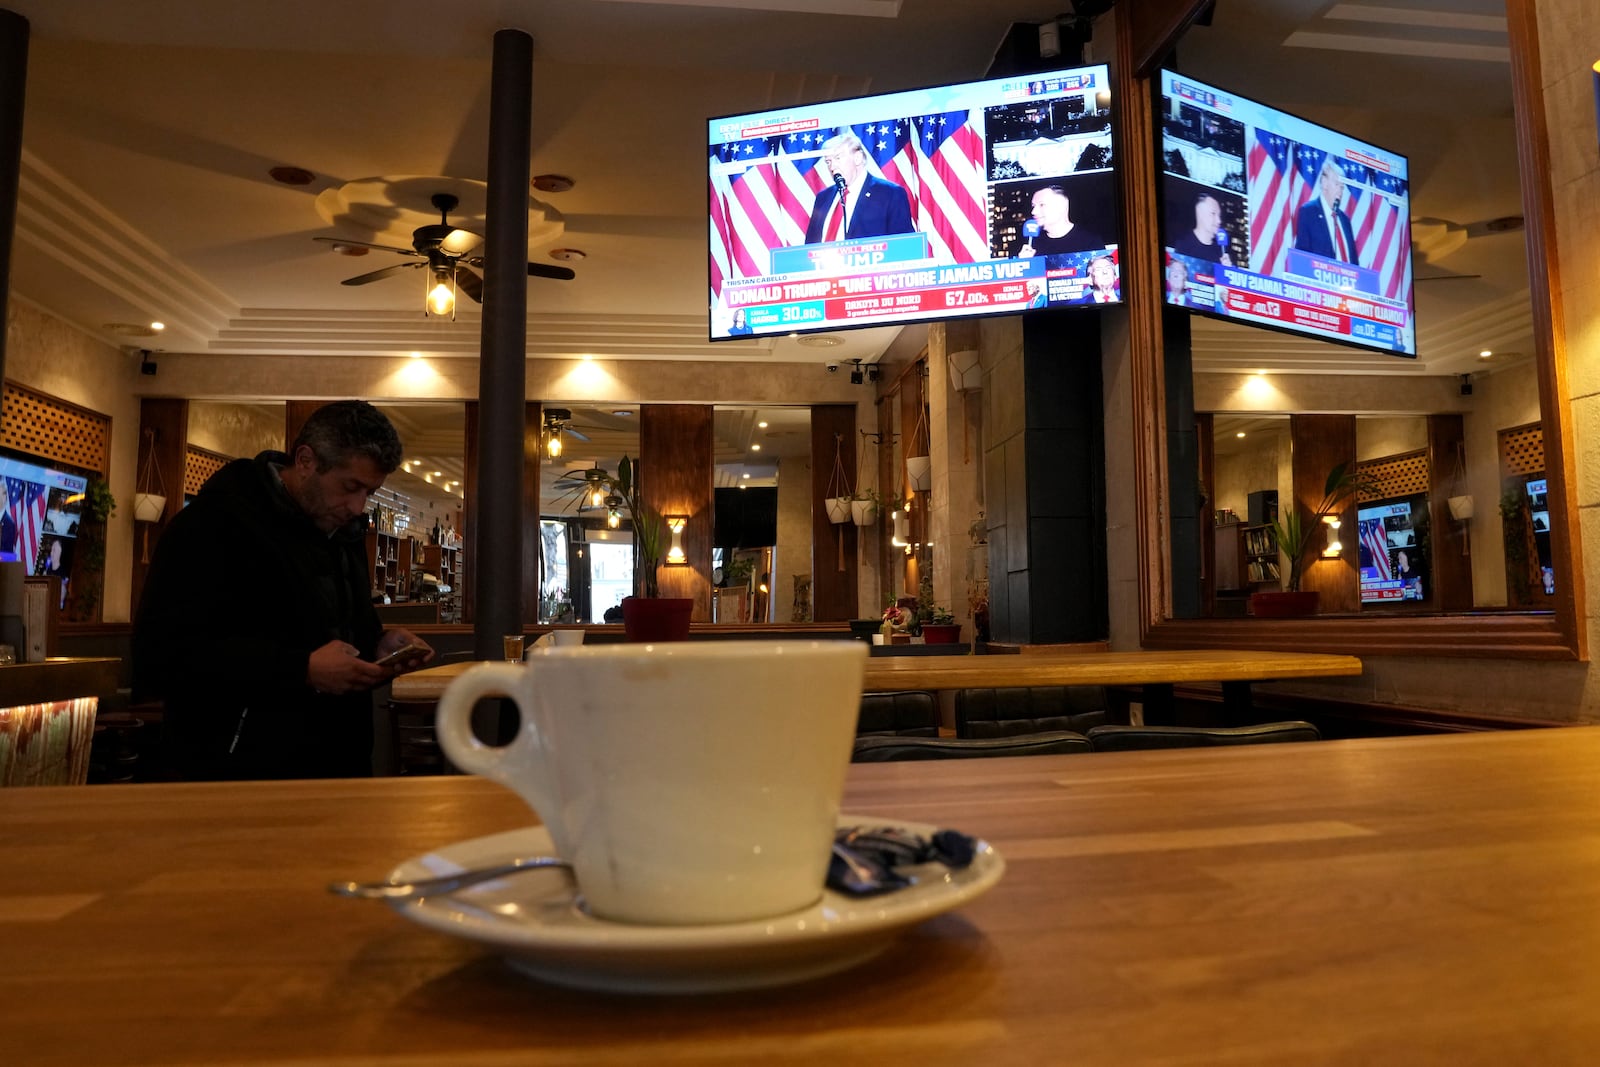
(399, 638)
(337, 667)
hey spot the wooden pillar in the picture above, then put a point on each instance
(1448, 560)
(295, 414)
(1318, 444)
(833, 547)
(676, 476)
(167, 423)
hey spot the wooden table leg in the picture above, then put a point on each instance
(1158, 704)
(1236, 702)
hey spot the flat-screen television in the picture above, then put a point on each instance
(983, 198)
(1393, 567)
(1539, 514)
(1271, 220)
(39, 523)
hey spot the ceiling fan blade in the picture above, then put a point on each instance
(363, 279)
(459, 242)
(539, 270)
(469, 283)
(570, 432)
(367, 244)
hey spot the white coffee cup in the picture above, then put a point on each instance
(559, 637)
(686, 782)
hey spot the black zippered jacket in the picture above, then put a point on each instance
(242, 589)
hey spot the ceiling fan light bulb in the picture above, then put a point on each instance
(441, 301)
(553, 446)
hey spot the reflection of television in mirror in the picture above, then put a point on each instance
(1539, 515)
(983, 198)
(1393, 563)
(39, 518)
(1274, 221)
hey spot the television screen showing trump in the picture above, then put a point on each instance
(984, 198)
(1271, 220)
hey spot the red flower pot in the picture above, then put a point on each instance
(1283, 604)
(941, 633)
(655, 619)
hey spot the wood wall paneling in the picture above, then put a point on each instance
(168, 423)
(676, 476)
(833, 547)
(1318, 444)
(1449, 567)
(295, 414)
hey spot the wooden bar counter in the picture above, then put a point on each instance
(1416, 900)
(1086, 668)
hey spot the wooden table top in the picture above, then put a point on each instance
(1078, 668)
(1386, 901)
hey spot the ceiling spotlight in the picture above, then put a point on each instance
(552, 183)
(762, 424)
(570, 255)
(1239, 434)
(1485, 354)
(755, 448)
(746, 474)
(159, 326)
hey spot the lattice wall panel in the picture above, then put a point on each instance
(1398, 475)
(1522, 450)
(198, 465)
(53, 429)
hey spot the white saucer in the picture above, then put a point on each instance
(532, 918)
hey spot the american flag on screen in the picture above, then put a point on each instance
(1376, 204)
(1277, 187)
(1375, 549)
(949, 155)
(762, 189)
(25, 504)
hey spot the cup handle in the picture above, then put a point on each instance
(512, 765)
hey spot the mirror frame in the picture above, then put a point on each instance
(1145, 34)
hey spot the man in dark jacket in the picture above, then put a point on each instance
(256, 626)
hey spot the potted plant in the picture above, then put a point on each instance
(87, 581)
(647, 615)
(865, 506)
(1294, 538)
(936, 623)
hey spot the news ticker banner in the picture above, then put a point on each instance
(887, 279)
(1341, 312)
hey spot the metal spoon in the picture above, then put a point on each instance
(447, 883)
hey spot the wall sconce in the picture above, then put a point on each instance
(675, 526)
(1334, 548)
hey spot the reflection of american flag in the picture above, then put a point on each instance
(762, 189)
(1375, 549)
(25, 502)
(1277, 188)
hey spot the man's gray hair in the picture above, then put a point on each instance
(339, 431)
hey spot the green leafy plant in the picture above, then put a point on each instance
(1294, 537)
(621, 491)
(927, 610)
(737, 572)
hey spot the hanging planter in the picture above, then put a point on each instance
(919, 473)
(839, 494)
(864, 511)
(838, 509)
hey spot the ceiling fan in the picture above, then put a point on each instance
(444, 250)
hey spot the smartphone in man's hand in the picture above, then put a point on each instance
(403, 655)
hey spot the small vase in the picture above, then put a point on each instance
(656, 619)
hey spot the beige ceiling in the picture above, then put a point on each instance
(150, 128)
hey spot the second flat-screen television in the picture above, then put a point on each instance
(39, 512)
(1275, 221)
(983, 198)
